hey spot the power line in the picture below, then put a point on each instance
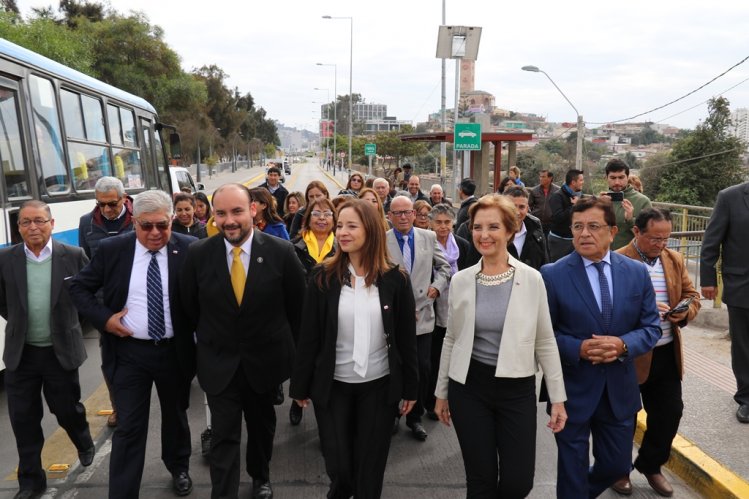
(693, 159)
(675, 100)
(703, 102)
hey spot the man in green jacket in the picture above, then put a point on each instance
(628, 206)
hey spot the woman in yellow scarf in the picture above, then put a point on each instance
(316, 242)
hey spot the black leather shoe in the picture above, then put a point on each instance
(86, 457)
(395, 426)
(742, 413)
(182, 483)
(418, 431)
(261, 490)
(29, 494)
(295, 414)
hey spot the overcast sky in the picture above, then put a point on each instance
(612, 59)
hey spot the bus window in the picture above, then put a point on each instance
(160, 161)
(145, 127)
(55, 178)
(94, 119)
(11, 147)
(115, 129)
(128, 128)
(71, 114)
(89, 162)
(128, 169)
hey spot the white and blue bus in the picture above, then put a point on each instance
(60, 131)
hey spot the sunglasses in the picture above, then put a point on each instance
(148, 226)
(111, 204)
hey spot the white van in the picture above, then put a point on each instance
(181, 178)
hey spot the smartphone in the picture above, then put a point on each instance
(680, 307)
(616, 196)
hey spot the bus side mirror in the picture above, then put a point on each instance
(175, 145)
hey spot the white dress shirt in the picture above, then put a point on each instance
(519, 239)
(136, 319)
(244, 255)
(43, 255)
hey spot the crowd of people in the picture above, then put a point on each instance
(381, 303)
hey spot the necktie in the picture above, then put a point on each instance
(607, 308)
(406, 254)
(238, 275)
(155, 299)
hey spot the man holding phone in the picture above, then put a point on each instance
(627, 202)
(660, 371)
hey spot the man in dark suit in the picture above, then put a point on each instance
(726, 234)
(242, 293)
(603, 310)
(43, 343)
(139, 311)
(529, 243)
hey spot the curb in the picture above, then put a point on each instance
(698, 470)
(330, 177)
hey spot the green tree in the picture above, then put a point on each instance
(650, 173)
(705, 161)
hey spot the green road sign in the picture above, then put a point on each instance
(370, 149)
(467, 137)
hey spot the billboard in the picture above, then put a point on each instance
(326, 129)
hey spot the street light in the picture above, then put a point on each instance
(327, 120)
(350, 85)
(580, 123)
(335, 109)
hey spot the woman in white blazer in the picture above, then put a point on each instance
(498, 331)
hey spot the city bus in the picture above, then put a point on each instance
(60, 131)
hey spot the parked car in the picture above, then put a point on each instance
(181, 178)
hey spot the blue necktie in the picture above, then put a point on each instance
(607, 308)
(406, 254)
(155, 297)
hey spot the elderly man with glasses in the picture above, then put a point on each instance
(145, 338)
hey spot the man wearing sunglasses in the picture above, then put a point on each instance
(144, 331)
(111, 216)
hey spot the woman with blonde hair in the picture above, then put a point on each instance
(498, 331)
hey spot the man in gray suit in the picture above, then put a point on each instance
(726, 231)
(43, 343)
(418, 253)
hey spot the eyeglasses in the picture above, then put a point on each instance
(402, 213)
(148, 226)
(321, 214)
(111, 204)
(657, 240)
(356, 179)
(592, 227)
(36, 221)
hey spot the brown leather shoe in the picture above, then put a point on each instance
(659, 484)
(112, 419)
(623, 486)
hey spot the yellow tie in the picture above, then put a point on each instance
(238, 276)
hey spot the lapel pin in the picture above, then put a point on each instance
(386, 307)
(260, 259)
(174, 252)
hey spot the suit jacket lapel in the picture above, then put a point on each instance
(746, 194)
(258, 256)
(172, 256)
(58, 272)
(395, 252)
(222, 270)
(581, 282)
(19, 272)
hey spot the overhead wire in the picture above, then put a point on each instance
(673, 101)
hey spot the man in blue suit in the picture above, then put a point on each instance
(603, 310)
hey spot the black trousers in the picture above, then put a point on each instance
(424, 358)
(438, 337)
(661, 398)
(354, 432)
(495, 420)
(140, 365)
(227, 409)
(738, 327)
(40, 372)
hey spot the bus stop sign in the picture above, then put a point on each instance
(467, 137)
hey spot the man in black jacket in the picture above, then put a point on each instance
(538, 202)
(529, 243)
(560, 234)
(278, 191)
(466, 190)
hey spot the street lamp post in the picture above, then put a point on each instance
(335, 109)
(350, 85)
(327, 119)
(580, 124)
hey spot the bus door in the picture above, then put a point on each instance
(14, 183)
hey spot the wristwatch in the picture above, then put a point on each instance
(625, 352)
